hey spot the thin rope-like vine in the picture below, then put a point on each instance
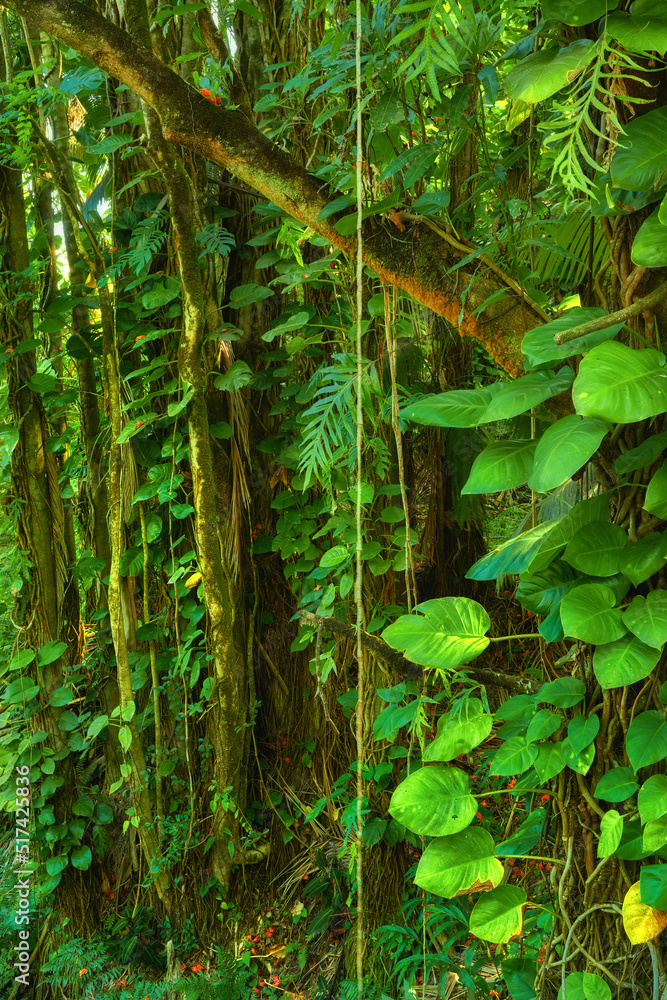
(358, 599)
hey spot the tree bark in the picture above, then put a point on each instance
(417, 260)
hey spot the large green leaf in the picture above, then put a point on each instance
(563, 448)
(647, 618)
(434, 801)
(653, 886)
(459, 408)
(447, 633)
(644, 454)
(543, 724)
(514, 555)
(652, 798)
(643, 558)
(649, 247)
(549, 761)
(459, 864)
(596, 549)
(579, 761)
(498, 915)
(616, 785)
(576, 12)
(592, 509)
(502, 465)
(545, 590)
(581, 731)
(620, 384)
(519, 396)
(564, 692)
(519, 975)
(539, 346)
(646, 742)
(587, 613)
(645, 30)
(544, 73)
(515, 756)
(471, 407)
(639, 160)
(623, 662)
(459, 731)
(611, 832)
(584, 986)
(656, 494)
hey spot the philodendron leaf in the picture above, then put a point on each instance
(471, 407)
(581, 731)
(515, 756)
(459, 408)
(643, 558)
(459, 731)
(620, 384)
(519, 396)
(459, 864)
(434, 802)
(584, 986)
(498, 915)
(646, 742)
(544, 73)
(656, 494)
(563, 448)
(512, 556)
(576, 12)
(526, 837)
(653, 886)
(647, 618)
(617, 785)
(539, 345)
(588, 613)
(624, 661)
(502, 465)
(639, 159)
(596, 549)
(649, 247)
(611, 831)
(642, 923)
(652, 798)
(645, 30)
(447, 632)
(644, 454)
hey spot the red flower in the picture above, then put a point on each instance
(478, 815)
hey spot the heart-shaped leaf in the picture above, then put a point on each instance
(647, 618)
(434, 801)
(642, 923)
(596, 549)
(459, 864)
(498, 915)
(447, 632)
(646, 742)
(616, 785)
(620, 384)
(563, 448)
(502, 465)
(459, 731)
(587, 613)
(623, 662)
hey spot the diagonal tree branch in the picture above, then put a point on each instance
(417, 260)
(394, 659)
